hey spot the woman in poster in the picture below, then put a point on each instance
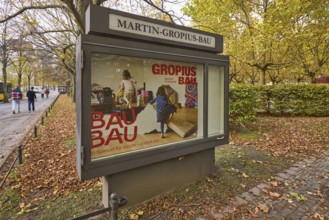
(163, 108)
(127, 84)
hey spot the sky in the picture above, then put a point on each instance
(176, 7)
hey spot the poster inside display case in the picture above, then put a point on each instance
(140, 103)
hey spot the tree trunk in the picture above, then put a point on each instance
(29, 82)
(68, 87)
(74, 89)
(81, 7)
(4, 72)
(262, 77)
(19, 81)
(5, 85)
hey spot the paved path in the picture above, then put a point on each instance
(14, 127)
(299, 193)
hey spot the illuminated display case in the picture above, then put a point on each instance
(140, 101)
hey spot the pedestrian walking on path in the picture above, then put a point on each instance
(16, 96)
(43, 92)
(31, 98)
(47, 92)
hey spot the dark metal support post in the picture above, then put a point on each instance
(114, 204)
(42, 121)
(35, 131)
(20, 154)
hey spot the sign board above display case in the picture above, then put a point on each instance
(109, 22)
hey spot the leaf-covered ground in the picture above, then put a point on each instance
(298, 137)
(48, 171)
(46, 186)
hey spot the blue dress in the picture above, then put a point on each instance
(163, 108)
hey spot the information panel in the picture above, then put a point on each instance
(139, 103)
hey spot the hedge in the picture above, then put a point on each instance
(242, 103)
(301, 100)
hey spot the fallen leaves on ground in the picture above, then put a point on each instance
(263, 208)
(298, 137)
(49, 167)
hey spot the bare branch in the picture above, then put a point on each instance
(76, 14)
(151, 3)
(30, 8)
(51, 31)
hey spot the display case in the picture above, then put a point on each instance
(142, 100)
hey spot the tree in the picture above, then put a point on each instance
(262, 34)
(4, 58)
(20, 61)
(54, 34)
(5, 40)
(312, 44)
(56, 13)
(54, 25)
(251, 30)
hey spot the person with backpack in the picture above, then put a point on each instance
(163, 108)
(16, 96)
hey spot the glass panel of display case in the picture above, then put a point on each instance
(139, 103)
(216, 100)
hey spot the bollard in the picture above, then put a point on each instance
(46, 114)
(35, 131)
(42, 120)
(114, 204)
(20, 154)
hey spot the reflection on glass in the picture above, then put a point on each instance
(216, 100)
(140, 103)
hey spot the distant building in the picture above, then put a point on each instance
(322, 79)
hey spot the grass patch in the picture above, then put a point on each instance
(69, 206)
(63, 207)
(238, 170)
(247, 135)
(244, 167)
(9, 203)
(70, 142)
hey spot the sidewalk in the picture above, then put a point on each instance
(15, 127)
(300, 192)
